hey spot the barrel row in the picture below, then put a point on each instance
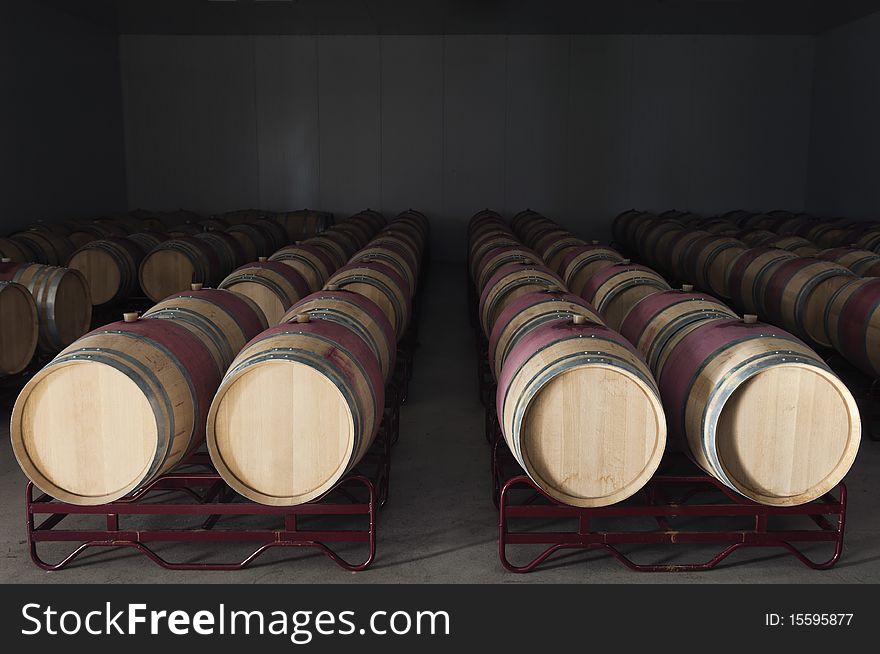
(577, 405)
(133, 399)
(752, 404)
(313, 386)
(829, 300)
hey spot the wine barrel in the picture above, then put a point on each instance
(84, 233)
(177, 264)
(486, 242)
(230, 255)
(46, 247)
(15, 252)
(19, 329)
(223, 320)
(276, 235)
(863, 263)
(516, 221)
(760, 221)
(680, 246)
(345, 243)
(756, 238)
(546, 237)
(357, 313)
(739, 216)
(528, 312)
(800, 246)
(303, 223)
(110, 266)
(614, 290)
(569, 395)
(254, 240)
(554, 253)
(707, 261)
(337, 253)
(748, 274)
(184, 229)
(852, 321)
(652, 238)
(273, 286)
(396, 257)
(797, 293)
(625, 223)
(823, 234)
(314, 392)
(312, 262)
(213, 224)
(760, 411)
(418, 219)
(790, 225)
(397, 240)
(494, 259)
(148, 240)
(869, 239)
(659, 321)
(123, 405)
(719, 226)
(507, 284)
(581, 264)
(382, 285)
(64, 307)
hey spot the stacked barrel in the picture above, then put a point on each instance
(302, 403)
(575, 402)
(804, 279)
(753, 405)
(129, 401)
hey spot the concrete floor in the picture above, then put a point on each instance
(440, 525)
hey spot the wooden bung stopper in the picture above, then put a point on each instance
(332, 287)
(196, 287)
(5, 260)
(750, 319)
(130, 316)
(595, 242)
(303, 318)
(687, 288)
(626, 262)
(579, 320)
(262, 259)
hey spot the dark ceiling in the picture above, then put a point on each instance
(469, 16)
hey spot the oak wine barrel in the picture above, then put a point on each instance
(229, 252)
(494, 259)
(223, 320)
(659, 321)
(396, 257)
(800, 246)
(357, 313)
(852, 321)
(863, 263)
(312, 262)
(64, 305)
(510, 282)
(579, 265)
(273, 286)
(15, 251)
(19, 328)
(760, 411)
(382, 285)
(121, 406)
(314, 392)
(47, 248)
(614, 290)
(707, 261)
(748, 274)
(797, 293)
(529, 312)
(571, 399)
(177, 264)
(110, 266)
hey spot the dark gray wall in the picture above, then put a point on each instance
(61, 134)
(579, 127)
(844, 175)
